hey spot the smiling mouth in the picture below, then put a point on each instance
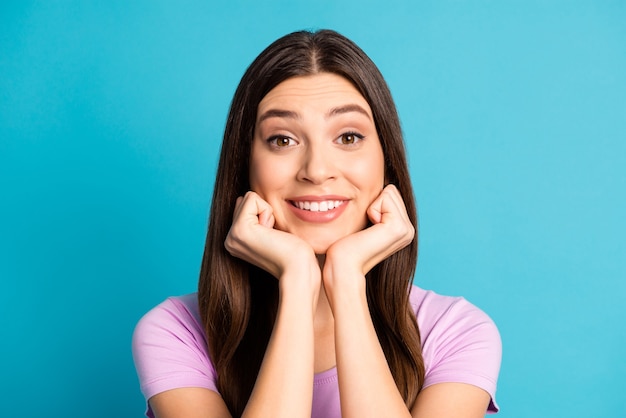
(321, 206)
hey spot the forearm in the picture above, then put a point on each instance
(284, 386)
(366, 384)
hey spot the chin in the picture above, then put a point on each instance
(321, 250)
(321, 245)
(322, 240)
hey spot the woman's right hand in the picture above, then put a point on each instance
(252, 238)
(283, 384)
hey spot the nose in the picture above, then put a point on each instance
(317, 165)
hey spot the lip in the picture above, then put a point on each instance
(318, 217)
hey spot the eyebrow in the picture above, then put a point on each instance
(347, 109)
(278, 113)
(336, 111)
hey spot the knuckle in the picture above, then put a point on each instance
(406, 233)
(229, 244)
(234, 240)
(410, 236)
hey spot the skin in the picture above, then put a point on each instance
(326, 146)
(315, 137)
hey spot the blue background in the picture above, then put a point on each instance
(111, 115)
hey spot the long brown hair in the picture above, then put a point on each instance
(238, 301)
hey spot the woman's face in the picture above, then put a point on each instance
(316, 158)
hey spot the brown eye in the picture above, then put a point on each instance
(282, 141)
(349, 138)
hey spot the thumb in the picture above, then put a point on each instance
(266, 217)
(376, 210)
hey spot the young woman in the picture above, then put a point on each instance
(305, 306)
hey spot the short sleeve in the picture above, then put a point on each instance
(460, 344)
(169, 349)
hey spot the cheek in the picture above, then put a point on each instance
(372, 173)
(260, 174)
(267, 180)
(256, 178)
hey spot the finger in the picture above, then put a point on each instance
(374, 211)
(262, 210)
(253, 209)
(266, 217)
(389, 201)
(238, 204)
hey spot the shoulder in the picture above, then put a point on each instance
(172, 323)
(173, 314)
(440, 314)
(460, 342)
(169, 348)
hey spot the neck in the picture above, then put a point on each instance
(323, 315)
(324, 329)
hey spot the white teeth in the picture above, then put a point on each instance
(323, 206)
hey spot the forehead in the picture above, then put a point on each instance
(323, 91)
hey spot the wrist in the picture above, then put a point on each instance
(343, 284)
(301, 279)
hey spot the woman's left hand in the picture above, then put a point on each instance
(356, 342)
(358, 253)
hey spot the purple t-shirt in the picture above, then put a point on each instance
(460, 344)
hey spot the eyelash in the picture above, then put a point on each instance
(273, 140)
(358, 137)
